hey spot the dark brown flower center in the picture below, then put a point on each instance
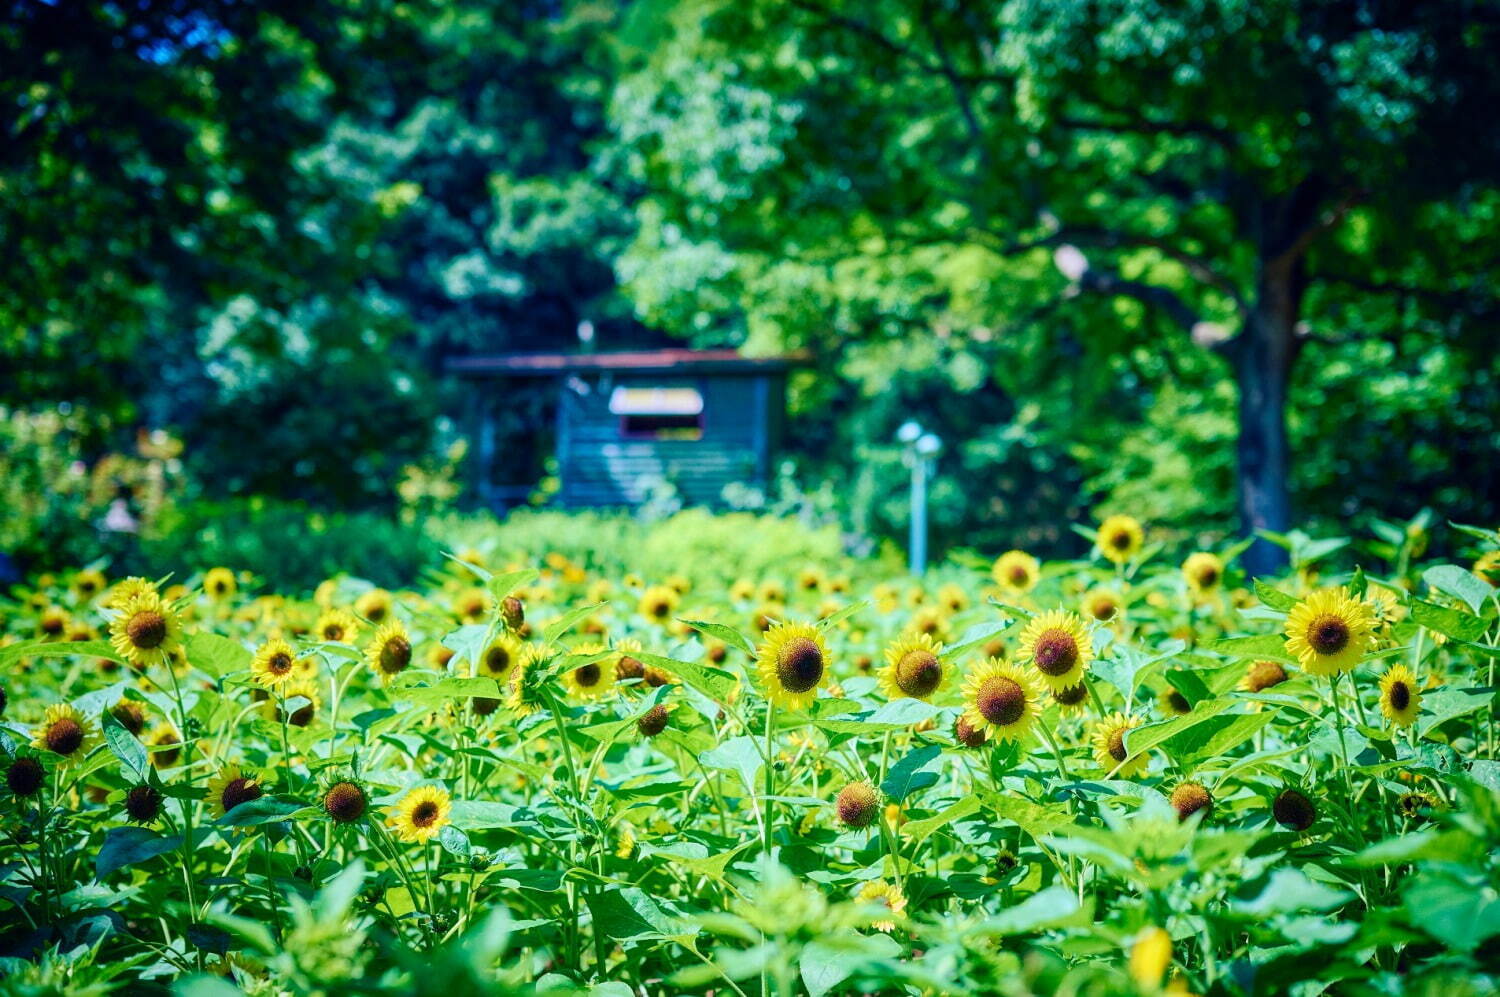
(395, 655)
(919, 673)
(25, 776)
(1001, 701)
(967, 734)
(1264, 674)
(1328, 635)
(1019, 576)
(630, 668)
(1208, 577)
(659, 609)
(497, 660)
(1072, 695)
(587, 675)
(856, 805)
(1115, 742)
(279, 663)
(1400, 696)
(333, 632)
(143, 804)
(425, 814)
(653, 721)
(1120, 540)
(799, 665)
(239, 790)
(64, 736)
(147, 629)
(344, 802)
(1178, 702)
(1189, 798)
(376, 613)
(1104, 609)
(131, 717)
(1056, 652)
(1293, 810)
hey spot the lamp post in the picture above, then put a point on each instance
(920, 448)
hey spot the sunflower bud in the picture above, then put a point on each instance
(512, 612)
(857, 805)
(1190, 797)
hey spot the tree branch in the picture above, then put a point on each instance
(1323, 223)
(1104, 282)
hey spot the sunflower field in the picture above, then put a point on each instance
(530, 771)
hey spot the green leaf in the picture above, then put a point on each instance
(1143, 739)
(124, 746)
(131, 845)
(715, 683)
(1274, 597)
(1445, 704)
(506, 582)
(738, 754)
(265, 810)
(729, 635)
(1052, 906)
(1271, 646)
(1445, 620)
(216, 655)
(1036, 819)
(976, 636)
(916, 831)
(829, 622)
(57, 649)
(1460, 583)
(455, 841)
(1215, 738)
(911, 773)
(567, 621)
(1289, 890)
(628, 912)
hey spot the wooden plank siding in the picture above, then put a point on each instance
(599, 465)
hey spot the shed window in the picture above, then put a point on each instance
(659, 413)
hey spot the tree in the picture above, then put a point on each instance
(1222, 164)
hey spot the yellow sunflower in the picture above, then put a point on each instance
(771, 590)
(953, 598)
(420, 814)
(1400, 697)
(499, 658)
(742, 590)
(146, 629)
(591, 680)
(337, 626)
(1102, 604)
(231, 787)
(658, 603)
(1056, 644)
(89, 583)
(296, 714)
(1121, 538)
(1329, 631)
(1073, 699)
(274, 663)
(219, 583)
(1016, 571)
(887, 895)
(125, 590)
(472, 604)
(389, 651)
(1487, 566)
(792, 663)
(524, 695)
(914, 668)
(165, 745)
(1000, 700)
(1203, 573)
(1109, 746)
(66, 733)
(374, 605)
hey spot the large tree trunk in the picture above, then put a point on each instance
(1263, 354)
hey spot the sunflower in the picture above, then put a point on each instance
(472, 604)
(1109, 746)
(1292, 809)
(1016, 572)
(54, 620)
(230, 788)
(857, 805)
(792, 663)
(130, 714)
(89, 583)
(742, 590)
(1121, 538)
(1329, 631)
(1400, 698)
(1412, 805)
(1056, 644)
(66, 733)
(1173, 703)
(274, 663)
(914, 668)
(345, 802)
(1000, 700)
(592, 679)
(337, 626)
(1203, 573)
(389, 651)
(420, 814)
(953, 598)
(219, 583)
(809, 579)
(658, 603)
(654, 720)
(374, 605)
(498, 658)
(125, 590)
(1189, 798)
(25, 776)
(628, 667)
(1102, 604)
(771, 590)
(887, 895)
(146, 629)
(524, 694)
(143, 804)
(165, 745)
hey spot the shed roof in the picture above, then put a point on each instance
(668, 360)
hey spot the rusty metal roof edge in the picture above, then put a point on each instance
(549, 364)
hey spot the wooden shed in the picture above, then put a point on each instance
(626, 421)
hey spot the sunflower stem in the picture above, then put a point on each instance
(1062, 766)
(770, 753)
